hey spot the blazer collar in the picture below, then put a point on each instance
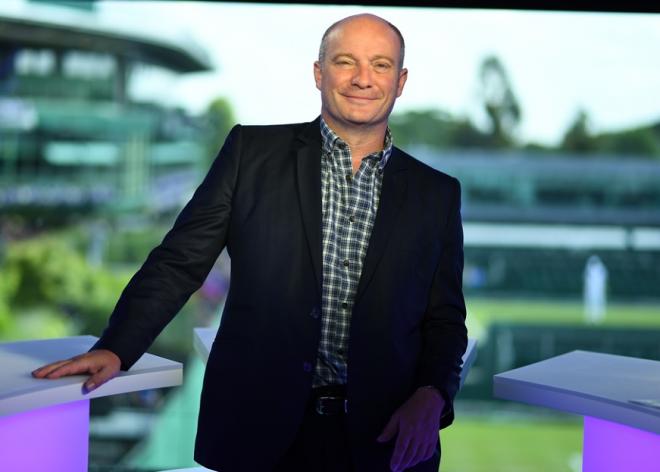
(392, 195)
(308, 168)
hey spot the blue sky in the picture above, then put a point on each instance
(606, 63)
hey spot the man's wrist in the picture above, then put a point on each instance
(435, 390)
(439, 394)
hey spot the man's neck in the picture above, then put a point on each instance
(361, 140)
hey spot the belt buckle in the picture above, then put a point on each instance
(323, 408)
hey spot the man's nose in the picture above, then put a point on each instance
(362, 76)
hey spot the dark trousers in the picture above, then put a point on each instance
(322, 441)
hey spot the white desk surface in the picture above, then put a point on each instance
(20, 392)
(589, 384)
(203, 340)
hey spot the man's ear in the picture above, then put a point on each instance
(403, 76)
(318, 75)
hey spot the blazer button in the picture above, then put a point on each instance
(315, 313)
(307, 366)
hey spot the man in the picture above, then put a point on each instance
(341, 339)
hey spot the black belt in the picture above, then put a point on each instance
(329, 400)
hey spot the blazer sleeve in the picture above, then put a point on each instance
(443, 329)
(179, 265)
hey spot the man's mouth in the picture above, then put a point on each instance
(359, 99)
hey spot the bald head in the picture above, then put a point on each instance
(365, 17)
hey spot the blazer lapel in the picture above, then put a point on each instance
(308, 168)
(392, 196)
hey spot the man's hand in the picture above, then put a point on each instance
(417, 422)
(102, 364)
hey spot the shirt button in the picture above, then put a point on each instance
(344, 305)
(340, 351)
(307, 366)
(348, 178)
(351, 218)
(345, 262)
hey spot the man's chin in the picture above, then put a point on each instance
(361, 120)
(358, 120)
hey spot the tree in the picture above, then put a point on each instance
(428, 127)
(577, 137)
(641, 141)
(45, 274)
(436, 129)
(500, 103)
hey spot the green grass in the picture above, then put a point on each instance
(482, 444)
(483, 311)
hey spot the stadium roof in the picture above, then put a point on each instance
(55, 26)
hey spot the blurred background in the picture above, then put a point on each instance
(111, 113)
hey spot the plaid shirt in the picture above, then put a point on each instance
(349, 205)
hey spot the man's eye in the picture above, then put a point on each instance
(382, 66)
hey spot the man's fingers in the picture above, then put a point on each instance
(99, 378)
(102, 364)
(400, 449)
(410, 458)
(390, 429)
(73, 367)
(427, 452)
(435, 445)
(47, 369)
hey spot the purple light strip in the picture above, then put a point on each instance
(53, 439)
(610, 447)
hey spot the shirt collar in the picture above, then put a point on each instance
(329, 140)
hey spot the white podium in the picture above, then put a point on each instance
(615, 395)
(44, 424)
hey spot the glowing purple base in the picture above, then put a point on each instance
(610, 447)
(47, 439)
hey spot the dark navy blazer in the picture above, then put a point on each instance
(262, 200)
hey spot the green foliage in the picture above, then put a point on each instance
(46, 280)
(641, 141)
(219, 118)
(636, 141)
(436, 129)
(133, 246)
(38, 323)
(48, 271)
(103, 290)
(577, 137)
(5, 314)
(429, 127)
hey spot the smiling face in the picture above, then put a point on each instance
(360, 76)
